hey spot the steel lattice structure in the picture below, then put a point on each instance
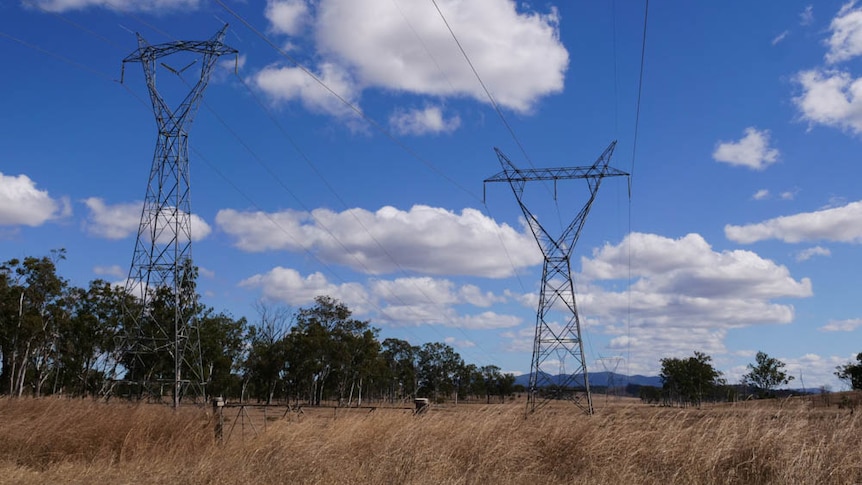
(162, 261)
(557, 289)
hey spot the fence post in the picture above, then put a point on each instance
(218, 415)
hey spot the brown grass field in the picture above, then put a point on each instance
(790, 441)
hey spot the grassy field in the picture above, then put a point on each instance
(780, 442)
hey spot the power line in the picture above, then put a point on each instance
(631, 177)
(640, 87)
(84, 67)
(482, 83)
(377, 126)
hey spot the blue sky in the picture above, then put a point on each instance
(742, 232)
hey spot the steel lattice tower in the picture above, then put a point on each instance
(557, 288)
(162, 262)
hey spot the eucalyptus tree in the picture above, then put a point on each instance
(399, 369)
(767, 374)
(851, 372)
(438, 366)
(33, 308)
(691, 380)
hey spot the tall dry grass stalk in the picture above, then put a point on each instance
(776, 442)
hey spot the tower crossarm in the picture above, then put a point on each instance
(173, 121)
(518, 178)
(599, 170)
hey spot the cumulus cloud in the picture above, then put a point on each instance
(830, 98)
(842, 325)
(422, 122)
(809, 253)
(846, 40)
(424, 239)
(406, 47)
(118, 221)
(287, 16)
(839, 224)
(684, 295)
(460, 344)
(22, 204)
(751, 151)
(115, 221)
(284, 84)
(398, 303)
(288, 286)
(683, 283)
(119, 5)
(113, 270)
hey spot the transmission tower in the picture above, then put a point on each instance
(161, 277)
(557, 290)
(611, 364)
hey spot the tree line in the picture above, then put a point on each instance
(56, 338)
(694, 380)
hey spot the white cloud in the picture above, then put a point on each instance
(206, 273)
(422, 122)
(761, 194)
(839, 224)
(842, 325)
(287, 16)
(120, 5)
(412, 291)
(751, 151)
(424, 239)
(830, 98)
(685, 296)
(406, 47)
(114, 270)
(473, 295)
(682, 284)
(809, 253)
(778, 38)
(806, 17)
(119, 221)
(788, 195)
(520, 340)
(112, 221)
(398, 303)
(429, 301)
(846, 40)
(460, 344)
(288, 286)
(813, 370)
(285, 84)
(21, 203)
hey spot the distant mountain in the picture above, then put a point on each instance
(603, 379)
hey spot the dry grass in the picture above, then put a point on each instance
(62, 441)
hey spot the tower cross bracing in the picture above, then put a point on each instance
(553, 341)
(161, 267)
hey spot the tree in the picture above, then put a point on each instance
(265, 363)
(767, 374)
(690, 380)
(32, 298)
(438, 366)
(399, 362)
(851, 373)
(221, 346)
(87, 342)
(328, 351)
